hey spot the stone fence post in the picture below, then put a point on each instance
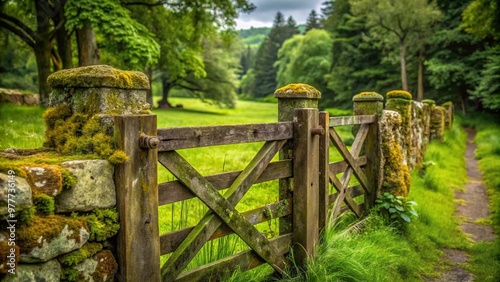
(400, 102)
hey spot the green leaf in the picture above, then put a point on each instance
(392, 210)
(405, 217)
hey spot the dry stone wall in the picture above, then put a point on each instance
(64, 218)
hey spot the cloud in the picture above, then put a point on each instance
(264, 14)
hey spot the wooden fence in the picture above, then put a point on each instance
(303, 170)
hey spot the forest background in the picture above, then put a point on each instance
(441, 50)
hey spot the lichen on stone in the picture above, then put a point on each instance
(299, 90)
(396, 175)
(46, 228)
(98, 76)
(401, 94)
(367, 96)
(429, 102)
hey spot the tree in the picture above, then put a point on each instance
(357, 64)
(38, 38)
(312, 21)
(221, 66)
(404, 20)
(264, 70)
(181, 28)
(482, 18)
(455, 57)
(57, 19)
(306, 59)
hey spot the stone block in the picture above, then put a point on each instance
(21, 193)
(100, 267)
(48, 271)
(95, 187)
(48, 237)
(45, 178)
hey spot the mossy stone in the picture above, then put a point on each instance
(401, 94)
(367, 97)
(429, 102)
(98, 76)
(298, 91)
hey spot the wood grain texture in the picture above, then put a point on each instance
(306, 185)
(138, 245)
(175, 191)
(352, 120)
(202, 136)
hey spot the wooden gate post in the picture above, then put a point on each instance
(306, 184)
(291, 97)
(371, 103)
(137, 200)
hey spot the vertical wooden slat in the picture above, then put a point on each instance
(324, 170)
(137, 201)
(306, 185)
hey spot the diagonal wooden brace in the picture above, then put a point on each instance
(222, 207)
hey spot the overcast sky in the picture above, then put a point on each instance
(264, 14)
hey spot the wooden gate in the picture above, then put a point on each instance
(139, 195)
(365, 168)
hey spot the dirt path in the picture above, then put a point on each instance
(474, 207)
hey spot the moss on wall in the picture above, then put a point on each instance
(103, 224)
(77, 256)
(77, 133)
(48, 228)
(43, 203)
(396, 175)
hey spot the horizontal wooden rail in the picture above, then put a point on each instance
(245, 261)
(203, 136)
(351, 120)
(170, 241)
(340, 166)
(174, 191)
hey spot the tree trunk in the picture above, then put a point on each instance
(63, 41)
(42, 50)
(88, 52)
(166, 87)
(402, 54)
(421, 58)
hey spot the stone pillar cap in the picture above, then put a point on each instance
(400, 94)
(368, 97)
(98, 76)
(298, 91)
(429, 102)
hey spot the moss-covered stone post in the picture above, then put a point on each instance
(400, 102)
(371, 103)
(437, 126)
(417, 134)
(426, 119)
(290, 98)
(448, 118)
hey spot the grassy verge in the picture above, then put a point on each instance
(376, 251)
(485, 260)
(21, 126)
